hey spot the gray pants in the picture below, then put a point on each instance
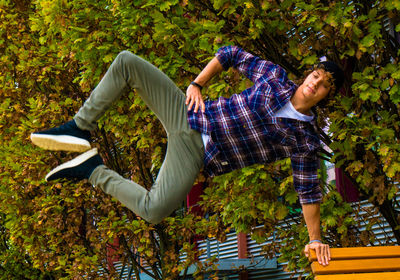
(185, 150)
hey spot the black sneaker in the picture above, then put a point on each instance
(67, 137)
(78, 168)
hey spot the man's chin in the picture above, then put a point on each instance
(308, 93)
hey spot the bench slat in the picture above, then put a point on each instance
(361, 253)
(360, 265)
(361, 276)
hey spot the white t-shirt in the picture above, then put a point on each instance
(287, 111)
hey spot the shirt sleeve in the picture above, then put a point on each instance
(249, 65)
(305, 178)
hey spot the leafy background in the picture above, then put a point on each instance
(52, 53)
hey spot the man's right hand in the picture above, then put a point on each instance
(194, 97)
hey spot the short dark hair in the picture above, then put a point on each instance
(335, 70)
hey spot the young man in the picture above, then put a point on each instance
(269, 121)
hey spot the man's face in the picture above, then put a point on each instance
(316, 86)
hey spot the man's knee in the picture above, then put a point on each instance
(125, 56)
(157, 213)
(154, 218)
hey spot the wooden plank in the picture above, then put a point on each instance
(361, 253)
(354, 266)
(361, 276)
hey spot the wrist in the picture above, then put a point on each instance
(196, 85)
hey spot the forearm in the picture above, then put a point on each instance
(311, 214)
(213, 68)
(193, 93)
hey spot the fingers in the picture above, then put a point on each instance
(187, 98)
(323, 254)
(197, 102)
(196, 107)
(190, 101)
(327, 254)
(307, 250)
(203, 106)
(319, 254)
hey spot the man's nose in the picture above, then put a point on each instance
(314, 83)
(318, 81)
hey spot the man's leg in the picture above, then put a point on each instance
(184, 152)
(129, 72)
(74, 135)
(174, 181)
(185, 149)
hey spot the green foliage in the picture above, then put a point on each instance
(14, 263)
(52, 53)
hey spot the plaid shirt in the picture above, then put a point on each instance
(243, 130)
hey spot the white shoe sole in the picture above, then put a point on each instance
(74, 162)
(60, 142)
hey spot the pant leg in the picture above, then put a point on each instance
(128, 72)
(180, 168)
(185, 150)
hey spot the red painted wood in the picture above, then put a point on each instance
(242, 245)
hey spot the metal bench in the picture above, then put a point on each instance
(359, 263)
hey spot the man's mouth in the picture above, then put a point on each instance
(311, 89)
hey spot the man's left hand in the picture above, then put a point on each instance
(322, 251)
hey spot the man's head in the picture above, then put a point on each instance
(324, 79)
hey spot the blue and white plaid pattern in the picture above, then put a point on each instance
(244, 131)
